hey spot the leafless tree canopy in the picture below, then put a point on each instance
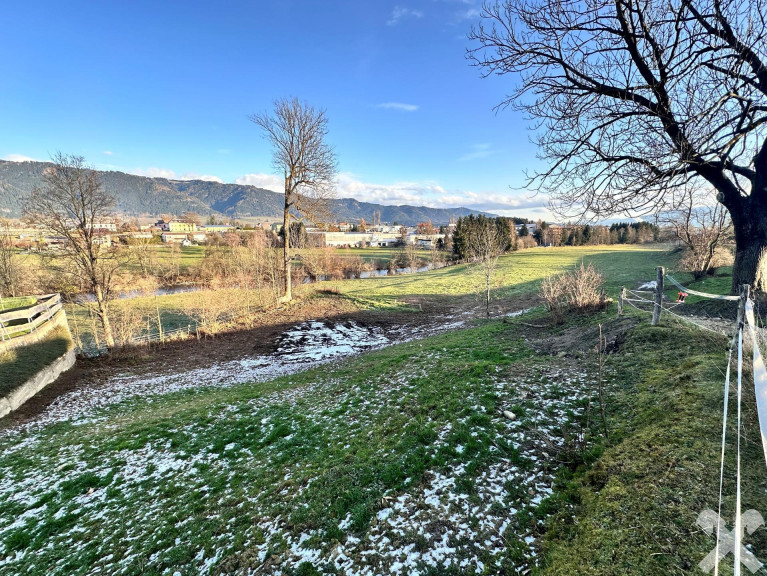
(297, 132)
(11, 273)
(704, 228)
(632, 99)
(484, 246)
(73, 204)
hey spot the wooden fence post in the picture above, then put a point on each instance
(658, 296)
(620, 300)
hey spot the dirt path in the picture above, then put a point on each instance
(307, 333)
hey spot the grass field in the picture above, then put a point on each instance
(520, 272)
(20, 364)
(395, 462)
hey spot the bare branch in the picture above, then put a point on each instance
(634, 99)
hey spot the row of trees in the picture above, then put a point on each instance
(545, 235)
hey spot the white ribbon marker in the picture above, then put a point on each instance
(760, 378)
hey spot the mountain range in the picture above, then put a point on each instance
(143, 196)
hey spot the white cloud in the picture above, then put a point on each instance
(205, 177)
(153, 172)
(467, 10)
(401, 12)
(433, 195)
(171, 175)
(478, 151)
(18, 158)
(398, 106)
(108, 152)
(430, 194)
(260, 180)
(399, 193)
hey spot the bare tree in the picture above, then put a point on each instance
(192, 217)
(143, 250)
(10, 267)
(437, 256)
(73, 204)
(635, 98)
(484, 246)
(703, 226)
(308, 164)
(409, 255)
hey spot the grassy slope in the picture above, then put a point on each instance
(225, 472)
(20, 364)
(212, 467)
(9, 303)
(519, 272)
(638, 505)
(206, 474)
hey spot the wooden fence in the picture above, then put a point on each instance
(23, 321)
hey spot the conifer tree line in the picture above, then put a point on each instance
(468, 228)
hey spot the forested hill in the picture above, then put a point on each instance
(142, 196)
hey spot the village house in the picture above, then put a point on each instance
(177, 226)
(220, 228)
(174, 237)
(428, 240)
(530, 228)
(105, 225)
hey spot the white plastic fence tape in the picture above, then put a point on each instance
(738, 516)
(721, 465)
(702, 294)
(760, 378)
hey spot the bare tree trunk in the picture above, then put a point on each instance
(286, 249)
(488, 274)
(751, 264)
(104, 317)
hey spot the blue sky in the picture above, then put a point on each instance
(166, 88)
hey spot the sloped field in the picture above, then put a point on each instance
(398, 462)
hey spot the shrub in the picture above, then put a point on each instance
(699, 263)
(581, 290)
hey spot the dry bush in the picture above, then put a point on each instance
(354, 266)
(126, 282)
(128, 322)
(581, 290)
(408, 257)
(524, 242)
(324, 263)
(146, 285)
(209, 310)
(214, 268)
(437, 256)
(215, 310)
(699, 263)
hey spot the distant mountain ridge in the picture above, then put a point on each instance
(143, 196)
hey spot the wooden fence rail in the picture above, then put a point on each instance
(33, 317)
